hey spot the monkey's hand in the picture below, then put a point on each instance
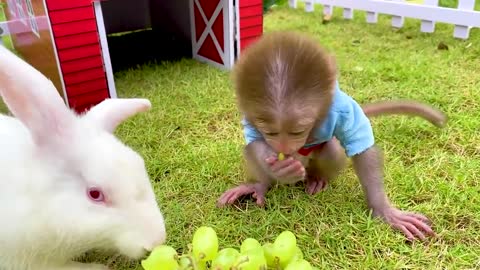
(287, 171)
(257, 190)
(315, 184)
(410, 224)
(368, 166)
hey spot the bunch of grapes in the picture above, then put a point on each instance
(204, 253)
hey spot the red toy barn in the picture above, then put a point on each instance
(67, 40)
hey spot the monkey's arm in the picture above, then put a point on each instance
(355, 134)
(259, 180)
(255, 154)
(369, 168)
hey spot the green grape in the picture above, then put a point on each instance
(225, 259)
(205, 244)
(185, 263)
(201, 266)
(268, 253)
(299, 265)
(253, 259)
(286, 237)
(162, 257)
(298, 254)
(249, 243)
(284, 247)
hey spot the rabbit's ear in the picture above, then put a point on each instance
(32, 98)
(112, 112)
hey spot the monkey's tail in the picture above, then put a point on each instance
(406, 107)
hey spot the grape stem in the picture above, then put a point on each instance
(246, 259)
(190, 259)
(277, 264)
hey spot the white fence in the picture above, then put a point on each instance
(464, 17)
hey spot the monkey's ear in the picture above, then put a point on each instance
(332, 64)
(332, 60)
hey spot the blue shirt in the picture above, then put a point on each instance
(346, 121)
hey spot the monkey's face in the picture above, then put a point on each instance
(284, 84)
(286, 136)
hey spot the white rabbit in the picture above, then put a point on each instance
(67, 184)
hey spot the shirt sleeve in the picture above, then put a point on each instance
(353, 130)
(250, 132)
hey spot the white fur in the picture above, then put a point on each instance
(49, 156)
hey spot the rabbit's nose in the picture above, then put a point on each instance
(148, 248)
(160, 239)
(146, 252)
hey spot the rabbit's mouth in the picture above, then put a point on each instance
(119, 260)
(132, 251)
(137, 254)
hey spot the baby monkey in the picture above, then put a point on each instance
(287, 90)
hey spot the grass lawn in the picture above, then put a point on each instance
(6, 40)
(2, 12)
(192, 142)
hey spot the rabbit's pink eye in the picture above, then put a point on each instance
(95, 194)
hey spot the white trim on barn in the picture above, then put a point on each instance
(227, 52)
(192, 24)
(210, 62)
(55, 52)
(463, 17)
(4, 29)
(20, 11)
(236, 21)
(229, 35)
(11, 4)
(31, 17)
(104, 47)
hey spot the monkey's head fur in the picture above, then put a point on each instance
(284, 85)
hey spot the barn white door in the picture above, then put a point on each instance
(212, 28)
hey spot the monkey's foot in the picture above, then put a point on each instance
(315, 184)
(412, 225)
(257, 191)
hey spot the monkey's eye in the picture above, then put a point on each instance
(271, 134)
(297, 133)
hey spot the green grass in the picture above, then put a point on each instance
(192, 140)
(192, 143)
(2, 12)
(7, 40)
